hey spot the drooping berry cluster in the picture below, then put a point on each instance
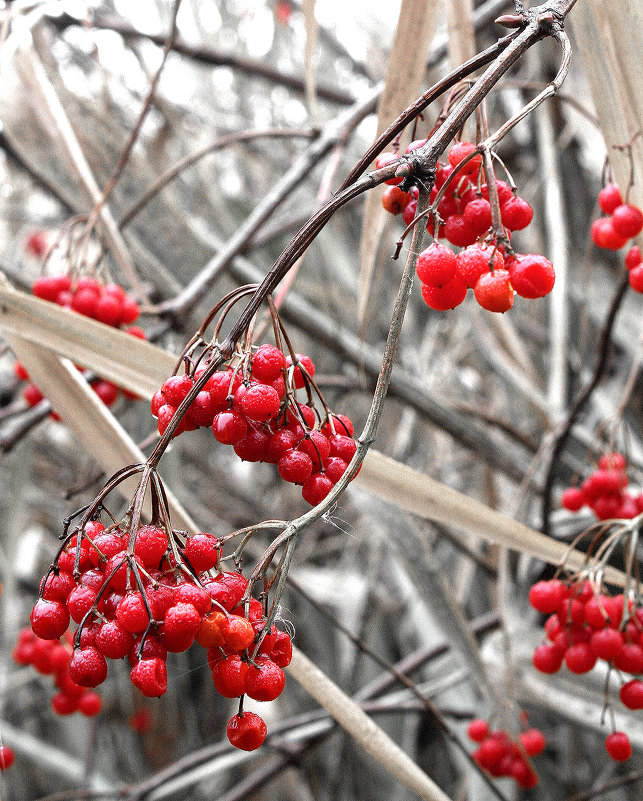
(464, 212)
(605, 491)
(161, 597)
(51, 658)
(253, 407)
(501, 756)
(586, 625)
(109, 304)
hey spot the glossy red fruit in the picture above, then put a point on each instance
(633, 257)
(516, 213)
(636, 278)
(268, 363)
(295, 467)
(627, 220)
(229, 676)
(533, 741)
(394, 200)
(88, 667)
(547, 659)
(478, 730)
(150, 676)
(304, 362)
(246, 731)
(477, 260)
(532, 276)
(202, 550)
(618, 746)
(436, 265)
(445, 297)
(605, 236)
(49, 619)
(547, 596)
(631, 694)
(461, 150)
(316, 488)
(494, 291)
(229, 427)
(6, 757)
(264, 680)
(609, 198)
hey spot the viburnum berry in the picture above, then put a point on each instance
(237, 632)
(6, 757)
(260, 403)
(151, 545)
(627, 220)
(88, 667)
(229, 676)
(202, 551)
(532, 276)
(90, 704)
(618, 746)
(631, 694)
(153, 648)
(605, 236)
(112, 640)
(547, 658)
(229, 427)
(475, 261)
(316, 488)
(458, 152)
(533, 741)
(635, 278)
(301, 361)
(477, 213)
(546, 596)
(295, 466)
(572, 499)
(49, 619)
(478, 730)
(516, 213)
(445, 297)
(176, 389)
(494, 291)
(609, 198)
(227, 589)
(580, 658)
(246, 731)
(268, 363)
(632, 259)
(150, 676)
(264, 680)
(395, 200)
(458, 231)
(436, 265)
(132, 614)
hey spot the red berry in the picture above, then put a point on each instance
(618, 746)
(281, 651)
(150, 545)
(630, 659)
(533, 741)
(246, 731)
(227, 589)
(572, 499)
(87, 667)
(295, 466)
(108, 309)
(436, 265)
(90, 704)
(150, 676)
(32, 395)
(202, 551)
(633, 257)
(260, 403)
(445, 297)
(394, 200)
(316, 488)
(461, 150)
(229, 676)
(636, 278)
(547, 659)
(6, 757)
(516, 213)
(268, 363)
(605, 236)
(477, 260)
(63, 704)
(458, 231)
(546, 596)
(264, 680)
(298, 376)
(49, 619)
(627, 220)
(631, 694)
(494, 292)
(229, 427)
(112, 640)
(478, 730)
(237, 632)
(609, 198)
(532, 276)
(176, 388)
(129, 310)
(580, 658)
(132, 614)
(477, 213)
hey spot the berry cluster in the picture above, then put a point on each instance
(605, 491)
(161, 597)
(109, 304)
(52, 658)
(501, 756)
(586, 625)
(464, 220)
(253, 407)
(623, 222)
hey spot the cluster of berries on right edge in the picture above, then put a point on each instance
(585, 625)
(623, 222)
(252, 406)
(484, 265)
(501, 756)
(605, 491)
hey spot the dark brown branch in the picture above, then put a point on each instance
(574, 412)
